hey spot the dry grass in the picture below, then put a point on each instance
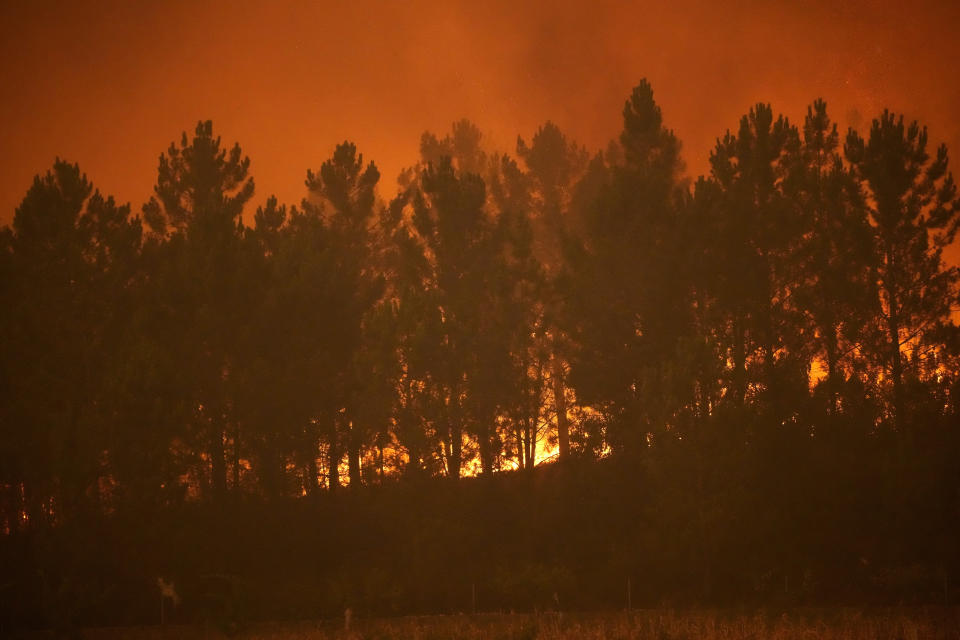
(896, 624)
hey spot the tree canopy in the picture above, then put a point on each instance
(691, 365)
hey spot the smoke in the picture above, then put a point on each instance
(110, 85)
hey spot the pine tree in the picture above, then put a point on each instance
(757, 232)
(343, 195)
(554, 167)
(69, 268)
(629, 301)
(835, 289)
(913, 207)
(200, 195)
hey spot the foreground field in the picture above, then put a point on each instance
(893, 624)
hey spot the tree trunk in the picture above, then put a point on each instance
(313, 473)
(236, 457)
(893, 333)
(353, 456)
(739, 359)
(560, 404)
(380, 462)
(454, 446)
(218, 463)
(531, 443)
(896, 364)
(455, 458)
(832, 381)
(271, 469)
(518, 432)
(333, 460)
(485, 435)
(486, 451)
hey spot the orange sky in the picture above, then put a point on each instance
(111, 84)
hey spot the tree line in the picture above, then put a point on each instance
(501, 310)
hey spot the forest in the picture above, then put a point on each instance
(551, 377)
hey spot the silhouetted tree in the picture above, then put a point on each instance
(521, 294)
(69, 265)
(914, 209)
(273, 398)
(457, 276)
(630, 300)
(449, 218)
(462, 146)
(836, 288)
(445, 334)
(554, 167)
(200, 195)
(757, 234)
(408, 340)
(343, 194)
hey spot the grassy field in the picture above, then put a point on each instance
(893, 624)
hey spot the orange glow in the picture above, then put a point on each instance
(111, 84)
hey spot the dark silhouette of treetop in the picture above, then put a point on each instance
(201, 187)
(347, 187)
(912, 202)
(647, 144)
(461, 145)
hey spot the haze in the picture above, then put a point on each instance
(111, 84)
